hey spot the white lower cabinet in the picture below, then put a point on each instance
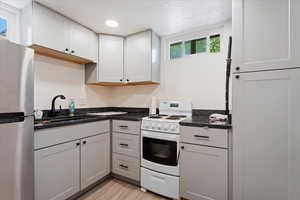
(57, 171)
(203, 173)
(95, 159)
(58, 168)
(266, 150)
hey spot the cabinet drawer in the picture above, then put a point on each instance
(204, 136)
(52, 136)
(126, 144)
(126, 166)
(131, 127)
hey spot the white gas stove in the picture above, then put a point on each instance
(160, 148)
(171, 113)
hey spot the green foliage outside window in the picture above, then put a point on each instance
(176, 50)
(215, 44)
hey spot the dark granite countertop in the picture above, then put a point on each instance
(133, 114)
(200, 118)
(11, 117)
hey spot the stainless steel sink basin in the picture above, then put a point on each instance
(62, 119)
(107, 113)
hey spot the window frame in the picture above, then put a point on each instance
(12, 17)
(210, 41)
(7, 26)
(199, 36)
(169, 49)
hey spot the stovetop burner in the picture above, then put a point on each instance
(179, 116)
(173, 118)
(157, 116)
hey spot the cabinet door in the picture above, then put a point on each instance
(111, 58)
(266, 34)
(50, 29)
(266, 137)
(83, 42)
(203, 173)
(57, 171)
(138, 57)
(95, 159)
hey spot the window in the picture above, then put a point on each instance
(176, 50)
(215, 44)
(3, 27)
(209, 44)
(195, 46)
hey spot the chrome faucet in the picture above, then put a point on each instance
(53, 110)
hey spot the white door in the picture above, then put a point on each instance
(57, 171)
(138, 57)
(203, 173)
(266, 34)
(50, 29)
(111, 59)
(266, 107)
(83, 42)
(95, 159)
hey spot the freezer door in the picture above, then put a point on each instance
(16, 78)
(17, 160)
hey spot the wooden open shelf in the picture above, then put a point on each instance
(124, 84)
(59, 55)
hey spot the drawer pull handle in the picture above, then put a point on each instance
(123, 145)
(123, 126)
(201, 137)
(124, 166)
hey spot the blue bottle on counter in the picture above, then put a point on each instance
(72, 107)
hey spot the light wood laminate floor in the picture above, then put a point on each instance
(114, 189)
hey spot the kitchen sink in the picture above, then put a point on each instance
(62, 119)
(107, 113)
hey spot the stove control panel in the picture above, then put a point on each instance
(161, 126)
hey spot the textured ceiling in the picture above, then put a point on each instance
(163, 16)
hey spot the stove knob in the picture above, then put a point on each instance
(146, 125)
(159, 126)
(166, 127)
(173, 127)
(154, 125)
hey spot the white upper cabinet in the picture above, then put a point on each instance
(131, 60)
(56, 32)
(83, 42)
(142, 57)
(265, 34)
(111, 59)
(50, 29)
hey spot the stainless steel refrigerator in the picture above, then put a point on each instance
(16, 122)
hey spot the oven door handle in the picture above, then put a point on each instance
(160, 136)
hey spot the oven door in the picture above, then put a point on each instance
(159, 152)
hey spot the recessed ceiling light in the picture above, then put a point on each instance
(112, 23)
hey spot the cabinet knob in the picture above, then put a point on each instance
(127, 80)
(72, 51)
(237, 68)
(121, 80)
(66, 49)
(84, 142)
(78, 143)
(182, 147)
(237, 76)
